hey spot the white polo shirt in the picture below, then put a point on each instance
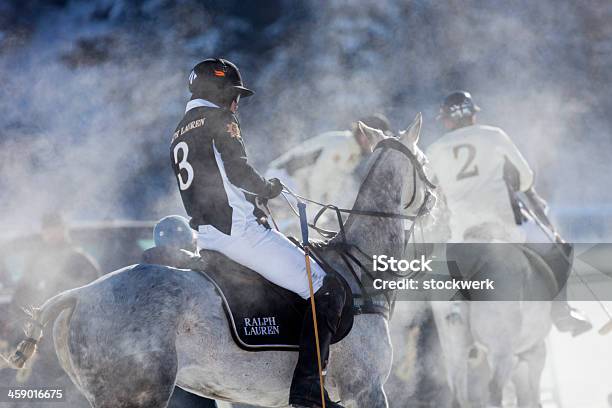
(469, 165)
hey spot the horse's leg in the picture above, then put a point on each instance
(498, 339)
(535, 359)
(502, 364)
(143, 380)
(119, 360)
(478, 376)
(520, 379)
(373, 396)
(418, 375)
(431, 376)
(452, 322)
(360, 364)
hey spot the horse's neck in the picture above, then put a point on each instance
(381, 192)
(377, 236)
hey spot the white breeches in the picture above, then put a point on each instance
(267, 252)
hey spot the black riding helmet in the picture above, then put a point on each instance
(457, 106)
(217, 80)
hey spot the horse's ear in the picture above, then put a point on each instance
(411, 135)
(372, 135)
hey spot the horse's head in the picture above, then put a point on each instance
(396, 190)
(403, 157)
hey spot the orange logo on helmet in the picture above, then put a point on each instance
(219, 73)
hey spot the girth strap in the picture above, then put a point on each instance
(364, 302)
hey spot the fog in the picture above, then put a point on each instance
(91, 91)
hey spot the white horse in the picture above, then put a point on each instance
(126, 339)
(488, 344)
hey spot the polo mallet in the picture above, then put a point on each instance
(543, 222)
(305, 244)
(271, 217)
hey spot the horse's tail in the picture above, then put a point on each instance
(38, 319)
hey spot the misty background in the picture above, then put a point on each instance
(91, 91)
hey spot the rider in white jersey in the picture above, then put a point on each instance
(322, 167)
(479, 170)
(327, 168)
(471, 164)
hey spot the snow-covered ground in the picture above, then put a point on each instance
(578, 369)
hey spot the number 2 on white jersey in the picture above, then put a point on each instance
(466, 171)
(183, 165)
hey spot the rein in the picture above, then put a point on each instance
(385, 144)
(344, 248)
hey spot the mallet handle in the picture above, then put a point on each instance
(304, 225)
(316, 326)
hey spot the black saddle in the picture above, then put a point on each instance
(262, 315)
(553, 262)
(550, 262)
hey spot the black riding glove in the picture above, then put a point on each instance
(275, 187)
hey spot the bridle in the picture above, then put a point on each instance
(345, 249)
(395, 144)
(390, 143)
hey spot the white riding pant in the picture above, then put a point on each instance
(266, 251)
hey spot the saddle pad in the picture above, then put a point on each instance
(261, 315)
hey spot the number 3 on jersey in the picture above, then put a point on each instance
(183, 164)
(466, 171)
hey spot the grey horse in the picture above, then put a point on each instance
(490, 344)
(464, 354)
(126, 339)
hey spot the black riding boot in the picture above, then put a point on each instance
(559, 257)
(305, 386)
(564, 317)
